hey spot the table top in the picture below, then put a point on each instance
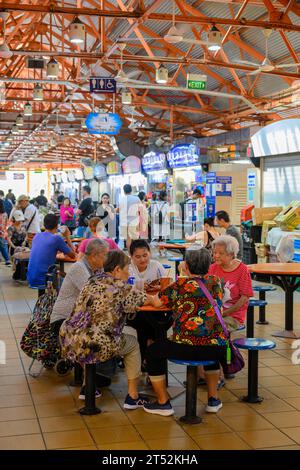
(66, 258)
(283, 269)
(177, 246)
(150, 308)
(77, 239)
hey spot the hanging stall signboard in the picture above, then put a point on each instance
(131, 164)
(153, 161)
(113, 168)
(2, 175)
(18, 176)
(184, 155)
(103, 123)
(99, 171)
(88, 172)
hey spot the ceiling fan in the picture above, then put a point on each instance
(175, 35)
(266, 65)
(122, 76)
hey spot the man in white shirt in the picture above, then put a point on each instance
(31, 215)
(129, 211)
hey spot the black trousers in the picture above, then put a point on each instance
(171, 350)
(55, 327)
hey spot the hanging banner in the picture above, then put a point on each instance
(88, 172)
(2, 175)
(224, 186)
(183, 155)
(103, 123)
(131, 164)
(153, 161)
(113, 168)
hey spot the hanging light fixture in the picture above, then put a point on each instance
(38, 93)
(57, 129)
(71, 130)
(5, 52)
(77, 31)
(83, 124)
(215, 38)
(126, 97)
(52, 69)
(52, 142)
(19, 120)
(46, 147)
(27, 109)
(14, 129)
(162, 74)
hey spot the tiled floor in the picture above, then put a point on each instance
(42, 413)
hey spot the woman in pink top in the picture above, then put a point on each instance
(66, 211)
(236, 278)
(96, 227)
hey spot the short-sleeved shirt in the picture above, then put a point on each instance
(154, 271)
(86, 208)
(195, 320)
(17, 237)
(233, 232)
(32, 219)
(236, 284)
(43, 253)
(112, 245)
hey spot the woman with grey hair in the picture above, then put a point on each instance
(197, 332)
(236, 278)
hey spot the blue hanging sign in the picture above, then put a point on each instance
(103, 123)
(153, 161)
(210, 207)
(102, 85)
(224, 186)
(183, 155)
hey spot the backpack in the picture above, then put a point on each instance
(38, 340)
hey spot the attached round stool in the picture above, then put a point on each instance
(250, 315)
(262, 296)
(190, 416)
(177, 260)
(253, 345)
(90, 407)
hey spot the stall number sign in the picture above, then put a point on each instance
(102, 85)
(224, 186)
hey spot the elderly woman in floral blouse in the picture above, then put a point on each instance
(197, 331)
(94, 331)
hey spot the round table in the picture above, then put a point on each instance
(182, 247)
(285, 275)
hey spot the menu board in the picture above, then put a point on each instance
(154, 161)
(99, 171)
(183, 155)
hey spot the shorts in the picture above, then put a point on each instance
(129, 232)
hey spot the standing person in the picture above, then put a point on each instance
(45, 247)
(160, 217)
(10, 195)
(129, 207)
(41, 199)
(85, 209)
(16, 237)
(236, 278)
(143, 216)
(67, 214)
(8, 206)
(60, 199)
(223, 221)
(106, 212)
(32, 218)
(3, 242)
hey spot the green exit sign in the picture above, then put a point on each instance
(196, 85)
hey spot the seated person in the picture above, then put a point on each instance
(236, 278)
(96, 228)
(144, 269)
(45, 247)
(207, 236)
(197, 331)
(94, 331)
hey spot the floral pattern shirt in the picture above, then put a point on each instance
(17, 236)
(93, 332)
(195, 320)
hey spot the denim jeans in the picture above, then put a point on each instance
(4, 249)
